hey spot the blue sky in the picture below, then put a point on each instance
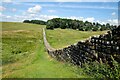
(103, 12)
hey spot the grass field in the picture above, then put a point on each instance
(24, 55)
(19, 42)
(60, 38)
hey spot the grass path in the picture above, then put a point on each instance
(44, 67)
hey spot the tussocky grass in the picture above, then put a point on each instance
(24, 55)
(60, 38)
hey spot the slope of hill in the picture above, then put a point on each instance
(24, 56)
(60, 38)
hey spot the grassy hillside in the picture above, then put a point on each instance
(24, 55)
(60, 38)
(10, 26)
(19, 40)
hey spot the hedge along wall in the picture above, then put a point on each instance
(97, 48)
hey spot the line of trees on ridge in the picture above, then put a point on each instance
(35, 22)
(77, 25)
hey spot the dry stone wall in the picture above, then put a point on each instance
(97, 48)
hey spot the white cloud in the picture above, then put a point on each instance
(7, 1)
(67, 0)
(0, 13)
(98, 21)
(118, 22)
(35, 9)
(8, 16)
(102, 22)
(32, 15)
(89, 7)
(51, 11)
(2, 8)
(90, 19)
(14, 9)
(74, 17)
(40, 17)
(113, 21)
(61, 0)
(113, 14)
(47, 17)
(75, 0)
(20, 18)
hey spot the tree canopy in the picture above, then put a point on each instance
(35, 22)
(77, 24)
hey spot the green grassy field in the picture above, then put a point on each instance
(24, 55)
(60, 38)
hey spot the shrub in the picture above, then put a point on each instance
(102, 70)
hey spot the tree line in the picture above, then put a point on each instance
(77, 25)
(35, 22)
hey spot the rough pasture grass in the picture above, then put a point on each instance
(24, 55)
(43, 67)
(19, 40)
(10, 26)
(60, 38)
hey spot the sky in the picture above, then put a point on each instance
(102, 11)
